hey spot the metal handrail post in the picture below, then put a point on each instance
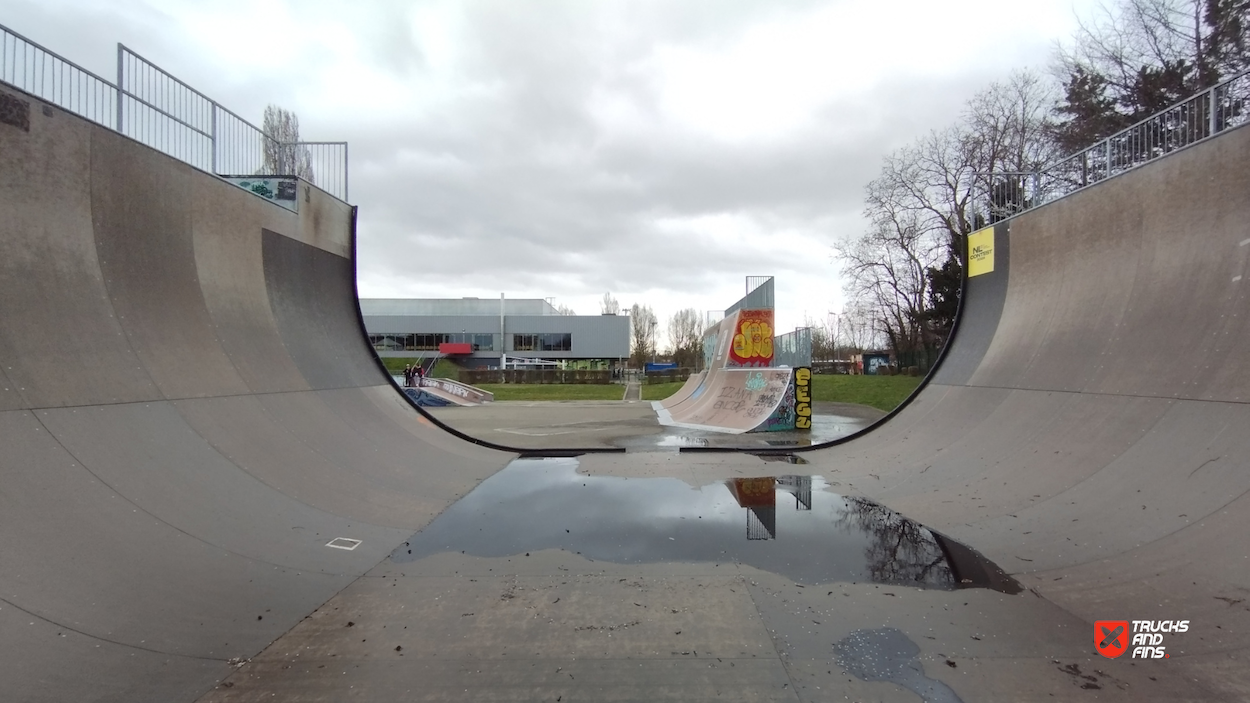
(1211, 119)
(212, 139)
(120, 89)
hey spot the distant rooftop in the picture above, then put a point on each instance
(428, 307)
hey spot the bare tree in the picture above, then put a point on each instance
(856, 332)
(824, 339)
(609, 306)
(1137, 57)
(905, 271)
(284, 154)
(1009, 129)
(563, 309)
(886, 271)
(643, 326)
(685, 335)
(921, 209)
(899, 550)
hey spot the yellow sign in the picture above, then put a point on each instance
(803, 398)
(981, 252)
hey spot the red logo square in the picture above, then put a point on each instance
(1111, 637)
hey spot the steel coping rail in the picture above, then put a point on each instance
(152, 106)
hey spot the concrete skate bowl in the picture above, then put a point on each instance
(200, 452)
(190, 414)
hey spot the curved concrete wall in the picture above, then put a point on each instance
(1089, 429)
(189, 414)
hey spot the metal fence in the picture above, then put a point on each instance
(1219, 108)
(46, 75)
(150, 105)
(793, 349)
(759, 295)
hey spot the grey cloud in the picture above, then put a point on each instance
(513, 182)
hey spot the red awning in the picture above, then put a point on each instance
(455, 348)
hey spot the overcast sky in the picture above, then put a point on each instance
(659, 150)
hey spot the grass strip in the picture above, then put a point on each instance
(554, 391)
(660, 391)
(880, 392)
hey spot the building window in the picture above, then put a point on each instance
(556, 342)
(388, 341)
(425, 341)
(550, 341)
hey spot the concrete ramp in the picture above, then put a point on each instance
(1089, 429)
(687, 389)
(725, 398)
(189, 417)
(455, 392)
(733, 401)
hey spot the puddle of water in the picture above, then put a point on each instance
(782, 458)
(888, 654)
(788, 525)
(679, 440)
(824, 428)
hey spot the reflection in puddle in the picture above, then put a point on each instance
(784, 458)
(825, 428)
(788, 525)
(677, 440)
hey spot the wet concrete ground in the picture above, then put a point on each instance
(469, 616)
(497, 602)
(632, 425)
(790, 525)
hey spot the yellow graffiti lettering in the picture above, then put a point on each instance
(755, 339)
(756, 486)
(803, 398)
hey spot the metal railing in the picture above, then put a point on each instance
(152, 106)
(759, 295)
(46, 75)
(793, 349)
(1217, 109)
(160, 110)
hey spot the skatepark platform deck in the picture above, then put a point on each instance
(194, 427)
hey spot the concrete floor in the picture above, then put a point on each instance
(629, 424)
(552, 625)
